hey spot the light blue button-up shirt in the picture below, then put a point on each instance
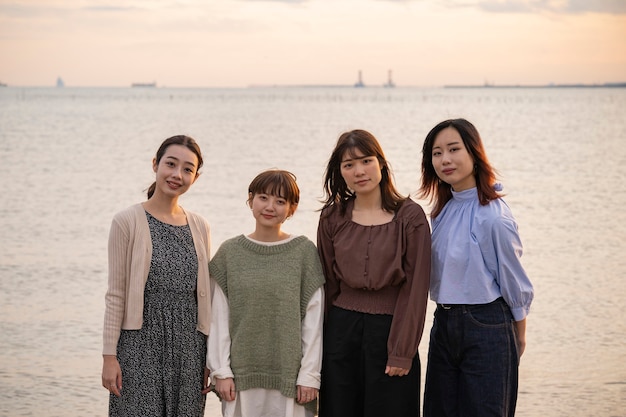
(476, 254)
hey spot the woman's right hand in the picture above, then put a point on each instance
(225, 388)
(111, 374)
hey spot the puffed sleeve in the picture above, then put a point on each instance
(515, 286)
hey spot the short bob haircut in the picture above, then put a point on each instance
(440, 192)
(276, 182)
(335, 188)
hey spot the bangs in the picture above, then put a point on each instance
(276, 183)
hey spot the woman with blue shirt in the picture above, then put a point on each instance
(482, 292)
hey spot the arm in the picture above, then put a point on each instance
(115, 299)
(218, 347)
(410, 313)
(308, 382)
(515, 286)
(326, 252)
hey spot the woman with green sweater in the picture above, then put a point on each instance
(265, 342)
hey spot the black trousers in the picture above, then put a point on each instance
(354, 383)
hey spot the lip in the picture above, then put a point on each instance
(361, 182)
(267, 216)
(447, 171)
(174, 184)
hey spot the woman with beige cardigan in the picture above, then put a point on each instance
(158, 300)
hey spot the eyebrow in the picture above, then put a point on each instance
(356, 159)
(447, 144)
(184, 162)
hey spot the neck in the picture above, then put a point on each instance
(268, 234)
(368, 202)
(166, 210)
(163, 205)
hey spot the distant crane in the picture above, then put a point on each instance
(390, 83)
(359, 83)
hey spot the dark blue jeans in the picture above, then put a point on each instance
(472, 362)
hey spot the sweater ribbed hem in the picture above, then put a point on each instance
(287, 387)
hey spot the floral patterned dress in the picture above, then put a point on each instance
(163, 362)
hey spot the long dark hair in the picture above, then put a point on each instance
(186, 141)
(440, 192)
(335, 188)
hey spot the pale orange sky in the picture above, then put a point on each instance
(237, 43)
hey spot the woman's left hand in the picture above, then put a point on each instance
(206, 387)
(306, 394)
(393, 371)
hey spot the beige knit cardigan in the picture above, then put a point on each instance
(130, 253)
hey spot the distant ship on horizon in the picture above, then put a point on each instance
(152, 84)
(60, 82)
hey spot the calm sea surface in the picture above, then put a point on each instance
(71, 158)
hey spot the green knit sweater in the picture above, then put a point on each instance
(268, 290)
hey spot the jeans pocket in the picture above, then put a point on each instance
(491, 315)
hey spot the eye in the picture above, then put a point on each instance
(281, 201)
(347, 165)
(437, 153)
(169, 163)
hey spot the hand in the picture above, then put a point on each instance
(520, 329)
(393, 371)
(111, 374)
(206, 386)
(306, 394)
(225, 388)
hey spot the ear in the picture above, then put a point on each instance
(292, 210)
(250, 196)
(154, 165)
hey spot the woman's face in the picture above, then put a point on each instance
(451, 160)
(362, 173)
(176, 171)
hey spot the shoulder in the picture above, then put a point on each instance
(129, 215)
(335, 211)
(305, 244)
(412, 212)
(230, 243)
(496, 216)
(198, 220)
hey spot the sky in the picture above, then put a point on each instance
(239, 43)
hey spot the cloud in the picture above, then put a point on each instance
(535, 6)
(554, 6)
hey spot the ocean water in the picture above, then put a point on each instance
(70, 158)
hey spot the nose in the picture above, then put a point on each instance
(445, 158)
(177, 172)
(359, 169)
